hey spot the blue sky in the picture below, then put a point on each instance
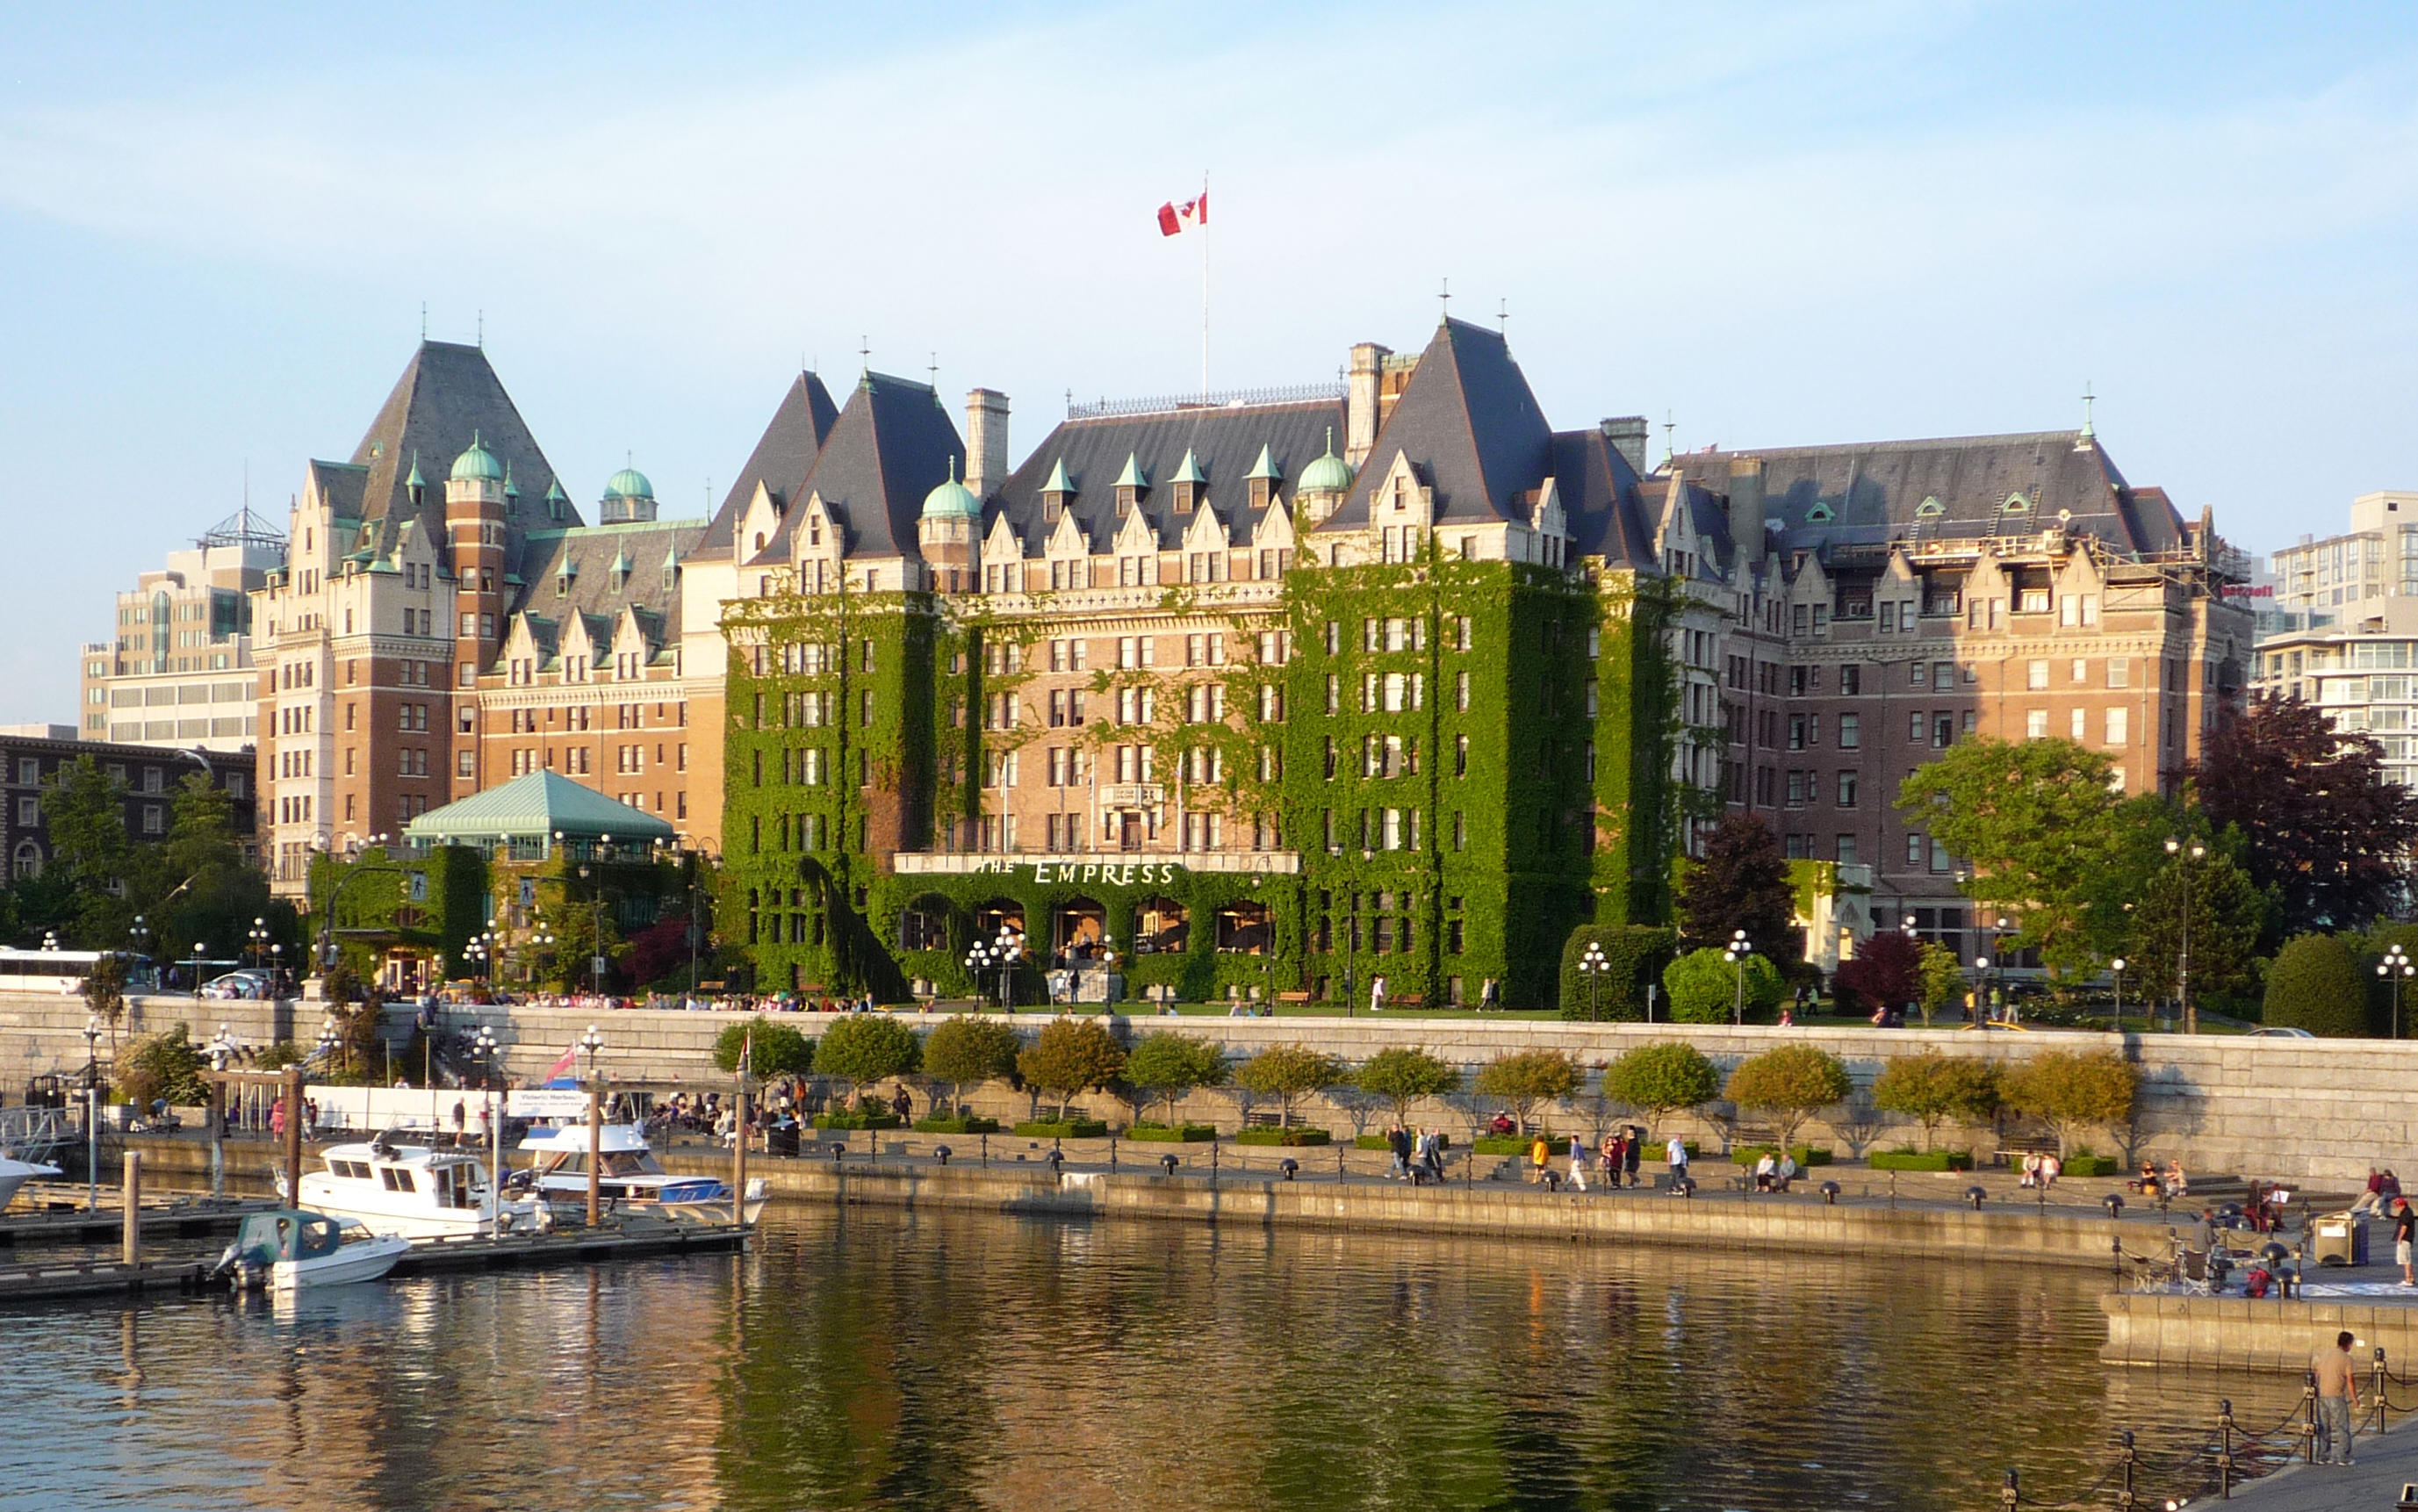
(1777, 224)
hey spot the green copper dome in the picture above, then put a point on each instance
(478, 465)
(1329, 474)
(952, 499)
(629, 484)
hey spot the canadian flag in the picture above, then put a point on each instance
(1173, 218)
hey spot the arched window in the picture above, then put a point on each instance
(28, 860)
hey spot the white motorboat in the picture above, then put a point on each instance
(287, 1250)
(630, 1178)
(414, 1191)
(15, 1173)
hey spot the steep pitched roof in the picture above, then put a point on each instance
(447, 394)
(1600, 500)
(1224, 442)
(892, 445)
(340, 484)
(782, 457)
(594, 588)
(1867, 494)
(1470, 425)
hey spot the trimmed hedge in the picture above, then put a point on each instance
(2316, 983)
(1747, 1154)
(1283, 1137)
(1074, 1128)
(1179, 1133)
(1654, 1152)
(1921, 1160)
(1634, 955)
(1501, 1144)
(861, 1119)
(2092, 1166)
(956, 1125)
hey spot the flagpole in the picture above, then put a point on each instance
(1205, 283)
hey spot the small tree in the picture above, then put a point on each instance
(162, 1064)
(1403, 1074)
(1661, 1079)
(1527, 1077)
(2315, 984)
(1740, 881)
(104, 995)
(967, 1052)
(2069, 1091)
(773, 1050)
(1933, 1088)
(1288, 1072)
(1886, 971)
(1788, 1085)
(1072, 1055)
(1943, 979)
(863, 1048)
(1164, 1067)
(1703, 985)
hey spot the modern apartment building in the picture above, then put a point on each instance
(178, 669)
(2362, 672)
(2343, 576)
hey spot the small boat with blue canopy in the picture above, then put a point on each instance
(289, 1248)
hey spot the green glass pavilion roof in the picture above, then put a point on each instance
(533, 808)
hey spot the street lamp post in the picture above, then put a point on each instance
(482, 1044)
(328, 1040)
(1737, 954)
(139, 936)
(2182, 971)
(979, 960)
(2118, 966)
(592, 1043)
(1980, 989)
(92, 1112)
(1594, 964)
(1011, 949)
(2396, 968)
(256, 940)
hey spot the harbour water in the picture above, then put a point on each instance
(876, 1358)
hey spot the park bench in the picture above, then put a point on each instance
(1295, 998)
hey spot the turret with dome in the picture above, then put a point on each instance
(629, 498)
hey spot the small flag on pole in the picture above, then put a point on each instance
(1173, 218)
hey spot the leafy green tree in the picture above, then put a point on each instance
(1702, 987)
(967, 1052)
(1163, 1066)
(1789, 1084)
(2227, 915)
(2328, 837)
(85, 812)
(1402, 1074)
(1943, 979)
(1072, 1055)
(1288, 1073)
(2037, 823)
(2071, 1091)
(1527, 1078)
(1661, 1079)
(863, 1048)
(2316, 983)
(166, 1063)
(1933, 1088)
(1740, 882)
(104, 996)
(773, 1050)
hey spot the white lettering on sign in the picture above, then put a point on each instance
(1108, 874)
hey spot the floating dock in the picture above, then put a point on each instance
(58, 1221)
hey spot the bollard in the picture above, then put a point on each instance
(131, 1242)
(2309, 1417)
(1338, 1162)
(986, 1151)
(2225, 1447)
(1829, 1194)
(1112, 1153)
(2125, 1500)
(1975, 1194)
(1288, 1164)
(2376, 1385)
(941, 1153)
(1167, 1164)
(2011, 1495)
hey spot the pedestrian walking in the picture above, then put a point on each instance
(1398, 1140)
(1540, 1155)
(1676, 1152)
(1633, 1152)
(1578, 1163)
(1612, 1159)
(2404, 1229)
(2337, 1394)
(1377, 993)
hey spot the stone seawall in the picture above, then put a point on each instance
(2297, 1109)
(2237, 1334)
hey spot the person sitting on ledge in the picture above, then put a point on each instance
(1502, 1123)
(1766, 1172)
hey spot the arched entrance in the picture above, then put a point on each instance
(1079, 930)
(1162, 926)
(924, 924)
(1246, 929)
(990, 918)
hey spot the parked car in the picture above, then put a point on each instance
(244, 983)
(2279, 1032)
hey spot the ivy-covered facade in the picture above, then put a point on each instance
(1251, 700)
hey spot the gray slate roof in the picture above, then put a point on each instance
(1469, 424)
(780, 462)
(892, 445)
(595, 590)
(1224, 441)
(447, 393)
(1875, 492)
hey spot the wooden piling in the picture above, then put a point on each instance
(131, 1234)
(293, 1094)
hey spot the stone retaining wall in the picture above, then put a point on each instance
(2238, 1333)
(2224, 1104)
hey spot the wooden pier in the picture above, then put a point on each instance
(58, 1221)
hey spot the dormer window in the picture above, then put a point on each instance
(1130, 486)
(1054, 492)
(1189, 482)
(813, 532)
(1185, 496)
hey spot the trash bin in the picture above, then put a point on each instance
(2338, 1239)
(781, 1139)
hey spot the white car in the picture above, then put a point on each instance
(2279, 1033)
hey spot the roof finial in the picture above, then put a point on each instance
(1445, 297)
(933, 367)
(864, 356)
(2087, 397)
(1668, 430)
(423, 320)
(1503, 318)
(482, 330)
(1330, 440)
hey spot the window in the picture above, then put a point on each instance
(2117, 731)
(1846, 789)
(2079, 727)
(1846, 850)
(1851, 679)
(2120, 670)
(1914, 851)
(1851, 732)
(1914, 726)
(2036, 724)
(2036, 674)
(1917, 675)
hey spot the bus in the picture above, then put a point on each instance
(63, 971)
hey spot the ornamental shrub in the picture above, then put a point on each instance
(1062, 1128)
(968, 1051)
(2315, 984)
(2070, 1091)
(1283, 1137)
(1702, 987)
(1072, 1055)
(1788, 1084)
(1403, 1074)
(773, 1050)
(1921, 1160)
(1162, 1067)
(1886, 971)
(163, 1064)
(1527, 1077)
(867, 1047)
(1661, 1079)
(1933, 1088)
(1633, 955)
(1288, 1073)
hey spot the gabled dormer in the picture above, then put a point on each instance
(1136, 535)
(1003, 558)
(1547, 518)
(1275, 529)
(1189, 485)
(757, 524)
(1055, 492)
(578, 647)
(1676, 543)
(1131, 485)
(1264, 480)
